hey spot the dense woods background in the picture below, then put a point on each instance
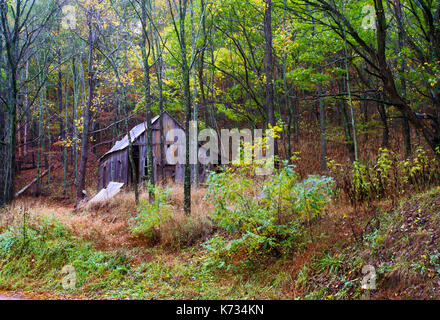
(341, 78)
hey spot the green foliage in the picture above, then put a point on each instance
(261, 219)
(387, 177)
(151, 215)
(41, 250)
(420, 171)
(372, 181)
(37, 266)
(434, 259)
(312, 195)
(328, 262)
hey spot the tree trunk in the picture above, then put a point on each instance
(347, 127)
(195, 93)
(187, 97)
(159, 75)
(86, 130)
(431, 136)
(406, 130)
(60, 104)
(76, 92)
(65, 160)
(347, 82)
(146, 43)
(269, 68)
(385, 130)
(322, 131)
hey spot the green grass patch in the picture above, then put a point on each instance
(32, 259)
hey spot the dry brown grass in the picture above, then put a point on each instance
(123, 204)
(33, 207)
(107, 224)
(182, 230)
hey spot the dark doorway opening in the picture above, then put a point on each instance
(136, 159)
(104, 177)
(169, 174)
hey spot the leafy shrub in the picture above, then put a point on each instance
(261, 218)
(161, 223)
(152, 215)
(421, 171)
(387, 177)
(375, 180)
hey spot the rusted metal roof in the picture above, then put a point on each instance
(135, 133)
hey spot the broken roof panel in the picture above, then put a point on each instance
(106, 194)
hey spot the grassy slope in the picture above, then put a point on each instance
(400, 243)
(33, 263)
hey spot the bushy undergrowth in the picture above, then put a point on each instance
(261, 218)
(160, 223)
(34, 253)
(152, 215)
(254, 218)
(402, 248)
(40, 250)
(387, 177)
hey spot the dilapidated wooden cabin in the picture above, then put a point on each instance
(114, 166)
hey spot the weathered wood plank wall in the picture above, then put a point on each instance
(116, 166)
